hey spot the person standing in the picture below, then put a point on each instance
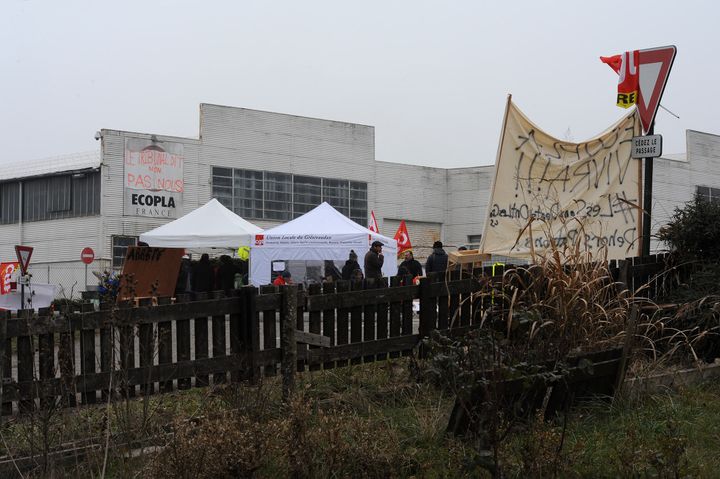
(411, 265)
(438, 260)
(350, 266)
(203, 277)
(283, 278)
(331, 271)
(226, 274)
(374, 260)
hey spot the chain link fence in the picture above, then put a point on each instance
(72, 277)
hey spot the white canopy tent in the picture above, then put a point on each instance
(210, 226)
(322, 233)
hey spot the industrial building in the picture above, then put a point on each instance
(268, 168)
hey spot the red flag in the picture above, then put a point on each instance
(6, 275)
(403, 239)
(626, 65)
(373, 223)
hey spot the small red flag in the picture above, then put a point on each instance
(373, 223)
(403, 239)
(626, 65)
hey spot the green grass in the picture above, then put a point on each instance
(375, 420)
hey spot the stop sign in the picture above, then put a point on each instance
(87, 255)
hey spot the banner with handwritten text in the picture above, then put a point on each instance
(153, 178)
(553, 194)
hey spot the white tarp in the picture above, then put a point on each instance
(210, 226)
(322, 233)
(37, 295)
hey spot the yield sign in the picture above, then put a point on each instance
(655, 65)
(23, 255)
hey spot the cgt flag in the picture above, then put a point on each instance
(373, 226)
(403, 239)
(626, 65)
(7, 273)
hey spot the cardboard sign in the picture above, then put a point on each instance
(149, 272)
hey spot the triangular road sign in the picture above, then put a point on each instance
(655, 65)
(23, 255)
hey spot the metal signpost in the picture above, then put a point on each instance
(23, 256)
(87, 256)
(654, 65)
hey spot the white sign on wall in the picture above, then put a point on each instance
(153, 178)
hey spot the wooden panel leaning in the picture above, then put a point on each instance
(200, 328)
(25, 360)
(381, 312)
(369, 320)
(269, 328)
(356, 316)
(46, 365)
(315, 321)
(87, 356)
(343, 322)
(328, 316)
(219, 341)
(5, 361)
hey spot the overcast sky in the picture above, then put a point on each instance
(431, 77)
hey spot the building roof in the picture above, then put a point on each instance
(55, 164)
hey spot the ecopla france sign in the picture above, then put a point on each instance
(153, 181)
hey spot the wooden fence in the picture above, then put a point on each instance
(82, 353)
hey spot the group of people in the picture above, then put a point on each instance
(437, 262)
(204, 276)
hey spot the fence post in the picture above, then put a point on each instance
(288, 318)
(428, 311)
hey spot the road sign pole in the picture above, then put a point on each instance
(647, 200)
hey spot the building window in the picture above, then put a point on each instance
(59, 193)
(278, 196)
(307, 194)
(267, 195)
(119, 249)
(708, 193)
(358, 202)
(9, 203)
(61, 196)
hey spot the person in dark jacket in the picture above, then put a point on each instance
(184, 276)
(331, 271)
(350, 266)
(203, 277)
(411, 265)
(226, 274)
(438, 260)
(374, 260)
